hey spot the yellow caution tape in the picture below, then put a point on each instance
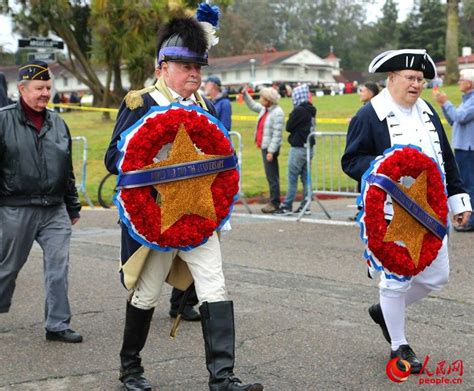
(337, 121)
(84, 108)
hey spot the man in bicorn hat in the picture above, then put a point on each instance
(38, 196)
(182, 50)
(397, 115)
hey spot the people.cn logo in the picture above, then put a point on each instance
(398, 370)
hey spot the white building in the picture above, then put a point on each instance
(287, 66)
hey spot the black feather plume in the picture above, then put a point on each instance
(188, 29)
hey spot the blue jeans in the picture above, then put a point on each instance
(465, 161)
(297, 166)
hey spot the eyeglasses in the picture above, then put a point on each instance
(412, 79)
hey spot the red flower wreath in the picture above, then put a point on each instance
(140, 204)
(407, 162)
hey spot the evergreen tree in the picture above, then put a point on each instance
(386, 30)
(409, 29)
(432, 28)
(466, 24)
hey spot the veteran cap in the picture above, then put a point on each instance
(215, 80)
(34, 70)
(398, 60)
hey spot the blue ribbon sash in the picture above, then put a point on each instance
(408, 203)
(175, 172)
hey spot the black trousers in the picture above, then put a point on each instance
(177, 297)
(273, 176)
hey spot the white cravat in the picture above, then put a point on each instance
(184, 101)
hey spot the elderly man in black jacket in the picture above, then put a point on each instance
(4, 101)
(300, 123)
(38, 196)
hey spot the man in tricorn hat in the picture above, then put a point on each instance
(38, 196)
(182, 50)
(397, 115)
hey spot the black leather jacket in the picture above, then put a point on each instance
(36, 167)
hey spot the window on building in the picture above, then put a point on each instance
(269, 72)
(223, 76)
(290, 72)
(65, 81)
(237, 74)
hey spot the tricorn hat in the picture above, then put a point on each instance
(34, 70)
(398, 60)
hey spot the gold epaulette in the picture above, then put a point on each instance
(134, 99)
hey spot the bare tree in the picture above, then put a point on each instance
(452, 42)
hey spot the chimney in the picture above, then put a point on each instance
(466, 51)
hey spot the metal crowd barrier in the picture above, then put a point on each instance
(238, 150)
(79, 163)
(324, 174)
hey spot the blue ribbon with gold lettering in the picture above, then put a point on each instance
(175, 172)
(407, 203)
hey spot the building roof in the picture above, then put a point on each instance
(261, 59)
(461, 60)
(331, 56)
(286, 57)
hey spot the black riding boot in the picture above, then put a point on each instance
(137, 324)
(217, 321)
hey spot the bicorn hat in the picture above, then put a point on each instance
(34, 70)
(398, 60)
(188, 39)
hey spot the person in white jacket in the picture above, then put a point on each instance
(268, 138)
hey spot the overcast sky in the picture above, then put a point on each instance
(9, 41)
(404, 8)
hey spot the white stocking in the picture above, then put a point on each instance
(393, 309)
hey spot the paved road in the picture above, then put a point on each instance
(301, 298)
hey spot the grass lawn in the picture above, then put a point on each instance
(340, 108)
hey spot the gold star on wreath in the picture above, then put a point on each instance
(187, 196)
(405, 227)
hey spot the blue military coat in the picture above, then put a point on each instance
(126, 118)
(368, 137)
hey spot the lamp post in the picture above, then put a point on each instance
(252, 69)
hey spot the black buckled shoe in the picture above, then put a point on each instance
(405, 352)
(136, 382)
(233, 383)
(189, 314)
(68, 336)
(375, 312)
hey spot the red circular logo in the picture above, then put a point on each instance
(398, 370)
